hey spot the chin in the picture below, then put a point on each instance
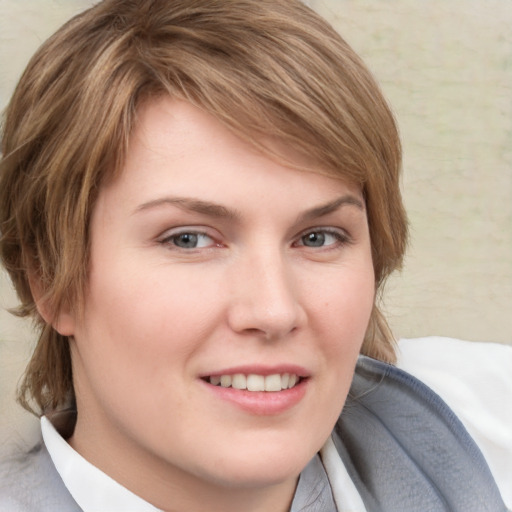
(260, 467)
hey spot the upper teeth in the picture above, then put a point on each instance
(252, 382)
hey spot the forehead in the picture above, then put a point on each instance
(190, 129)
(162, 119)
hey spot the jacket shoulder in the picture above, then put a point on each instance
(406, 450)
(29, 482)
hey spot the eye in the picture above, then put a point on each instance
(323, 238)
(188, 240)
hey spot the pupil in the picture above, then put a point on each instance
(314, 239)
(187, 240)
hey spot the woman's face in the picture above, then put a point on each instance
(212, 263)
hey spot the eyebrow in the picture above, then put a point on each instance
(192, 205)
(330, 207)
(218, 211)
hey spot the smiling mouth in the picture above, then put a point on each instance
(254, 382)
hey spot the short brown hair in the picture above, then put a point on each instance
(269, 67)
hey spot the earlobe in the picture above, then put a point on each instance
(62, 321)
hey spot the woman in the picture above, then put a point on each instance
(199, 203)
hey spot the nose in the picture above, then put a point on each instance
(265, 300)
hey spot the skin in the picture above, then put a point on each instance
(273, 279)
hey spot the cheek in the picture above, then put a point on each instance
(138, 337)
(341, 319)
(344, 304)
(138, 322)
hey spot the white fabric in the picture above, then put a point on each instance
(93, 490)
(344, 492)
(475, 380)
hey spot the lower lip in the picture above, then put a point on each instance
(261, 403)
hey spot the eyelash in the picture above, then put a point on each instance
(170, 239)
(341, 239)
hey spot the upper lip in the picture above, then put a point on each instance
(260, 370)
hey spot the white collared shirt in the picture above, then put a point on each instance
(93, 490)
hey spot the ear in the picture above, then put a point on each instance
(62, 321)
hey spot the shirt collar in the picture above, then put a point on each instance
(80, 477)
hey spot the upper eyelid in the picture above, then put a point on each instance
(170, 232)
(324, 229)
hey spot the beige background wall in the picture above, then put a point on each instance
(446, 67)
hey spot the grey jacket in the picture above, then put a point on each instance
(403, 447)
